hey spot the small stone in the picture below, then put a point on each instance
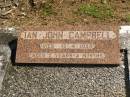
(1, 64)
(104, 1)
(86, 20)
(16, 2)
(23, 14)
(123, 1)
(122, 65)
(1, 58)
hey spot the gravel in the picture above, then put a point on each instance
(42, 81)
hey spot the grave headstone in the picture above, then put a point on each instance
(75, 45)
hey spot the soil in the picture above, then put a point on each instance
(24, 15)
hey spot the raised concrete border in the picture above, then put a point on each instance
(6, 36)
(125, 41)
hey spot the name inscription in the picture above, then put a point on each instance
(81, 35)
(66, 47)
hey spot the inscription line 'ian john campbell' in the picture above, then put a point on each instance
(80, 35)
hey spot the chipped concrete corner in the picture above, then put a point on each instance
(56, 81)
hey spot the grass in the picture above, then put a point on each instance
(100, 12)
(47, 8)
(128, 18)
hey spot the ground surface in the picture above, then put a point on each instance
(72, 12)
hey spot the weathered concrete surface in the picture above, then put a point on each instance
(64, 81)
(5, 37)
